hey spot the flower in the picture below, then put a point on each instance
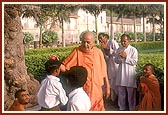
(53, 57)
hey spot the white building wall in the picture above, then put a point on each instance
(82, 22)
(29, 25)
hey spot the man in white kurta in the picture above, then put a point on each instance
(127, 57)
(112, 68)
(109, 48)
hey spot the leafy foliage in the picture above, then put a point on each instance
(27, 37)
(157, 60)
(35, 63)
(49, 37)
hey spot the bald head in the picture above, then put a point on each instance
(87, 41)
(88, 35)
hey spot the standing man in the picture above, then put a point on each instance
(109, 48)
(92, 59)
(126, 57)
(22, 98)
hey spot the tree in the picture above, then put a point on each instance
(144, 11)
(129, 10)
(93, 9)
(40, 14)
(156, 11)
(63, 12)
(133, 10)
(15, 70)
(111, 8)
(120, 10)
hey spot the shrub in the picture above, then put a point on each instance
(27, 37)
(35, 63)
(35, 58)
(49, 37)
(157, 60)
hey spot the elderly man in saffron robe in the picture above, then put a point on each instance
(93, 60)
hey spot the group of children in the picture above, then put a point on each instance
(52, 95)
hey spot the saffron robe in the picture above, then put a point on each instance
(95, 64)
(150, 94)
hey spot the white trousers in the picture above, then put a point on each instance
(126, 94)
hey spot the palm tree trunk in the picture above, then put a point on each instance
(111, 21)
(96, 29)
(122, 24)
(135, 35)
(153, 32)
(144, 30)
(63, 39)
(40, 40)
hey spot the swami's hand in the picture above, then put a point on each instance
(107, 92)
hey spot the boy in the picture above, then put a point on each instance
(78, 99)
(51, 95)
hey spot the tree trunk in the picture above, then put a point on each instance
(40, 40)
(144, 28)
(96, 30)
(135, 34)
(122, 24)
(111, 21)
(15, 70)
(63, 39)
(153, 31)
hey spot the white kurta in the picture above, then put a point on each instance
(51, 93)
(78, 100)
(112, 67)
(127, 67)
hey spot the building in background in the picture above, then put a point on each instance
(81, 21)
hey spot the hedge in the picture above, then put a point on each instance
(36, 58)
(141, 46)
(35, 63)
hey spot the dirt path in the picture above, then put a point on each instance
(109, 106)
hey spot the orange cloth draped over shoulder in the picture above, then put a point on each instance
(95, 64)
(151, 101)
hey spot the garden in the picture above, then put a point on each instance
(149, 52)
